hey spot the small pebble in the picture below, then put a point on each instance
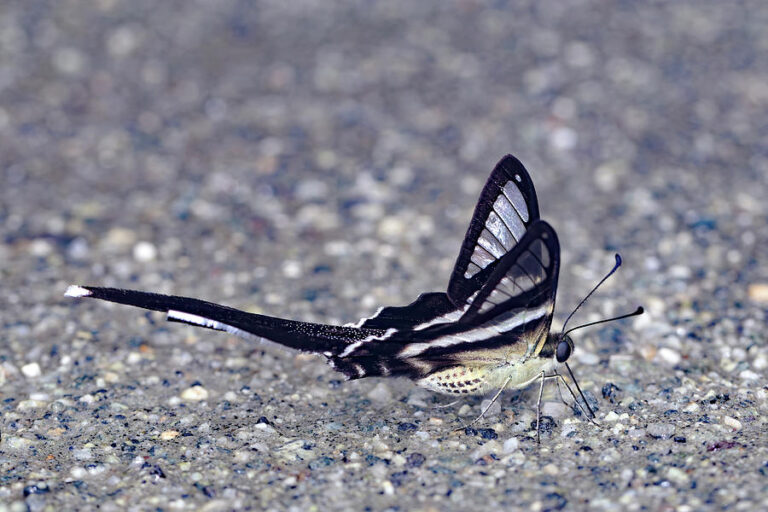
(415, 460)
(758, 292)
(465, 410)
(668, 356)
(195, 393)
(731, 422)
(17, 443)
(144, 252)
(677, 475)
(511, 445)
(31, 370)
(168, 435)
(661, 430)
(25, 405)
(554, 409)
(749, 375)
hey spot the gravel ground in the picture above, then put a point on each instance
(315, 160)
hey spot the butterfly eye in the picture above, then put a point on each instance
(563, 351)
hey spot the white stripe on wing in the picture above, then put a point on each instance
(483, 332)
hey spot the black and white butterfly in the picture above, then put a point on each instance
(490, 331)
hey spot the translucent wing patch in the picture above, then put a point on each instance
(507, 207)
(526, 277)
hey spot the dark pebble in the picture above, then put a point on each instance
(407, 427)
(488, 433)
(555, 501)
(320, 463)
(41, 488)
(591, 400)
(415, 460)
(547, 424)
(610, 391)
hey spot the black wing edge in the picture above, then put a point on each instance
(460, 288)
(427, 307)
(328, 340)
(546, 290)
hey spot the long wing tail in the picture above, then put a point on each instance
(329, 340)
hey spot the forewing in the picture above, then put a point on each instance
(523, 284)
(506, 209)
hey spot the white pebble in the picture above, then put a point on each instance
(144, 252)
(563, 138)
(25, 405)
(17, 443)
(669, 356)
(292, 269)
(661, 430)
(168, 435)
(731, 422)
(78, 473)
(82, 454)
(31, 370)
(511, 445)
(465, 410)
(554, 409)
(195, 393)
(749, 375)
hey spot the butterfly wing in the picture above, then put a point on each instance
(307, 337)
(428, 307)
(506, 209)
(511, 313)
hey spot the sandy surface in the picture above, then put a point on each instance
(316, 160)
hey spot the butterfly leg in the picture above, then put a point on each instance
(538, 410)
(493, 401)
(449, 404)
(557, 378)
(589, 415)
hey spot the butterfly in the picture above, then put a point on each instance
(489, 331)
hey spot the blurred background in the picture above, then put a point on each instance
(255, 138)
(316, 160)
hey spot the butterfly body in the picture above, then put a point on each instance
(489, 330)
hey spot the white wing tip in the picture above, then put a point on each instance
(77, 291)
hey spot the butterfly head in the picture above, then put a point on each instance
(563, 348)
(559, 345)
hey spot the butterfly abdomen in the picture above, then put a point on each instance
(458, 380)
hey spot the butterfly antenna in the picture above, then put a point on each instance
(609, 274)
(638, 311)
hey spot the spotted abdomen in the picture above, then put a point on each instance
(459, 380)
